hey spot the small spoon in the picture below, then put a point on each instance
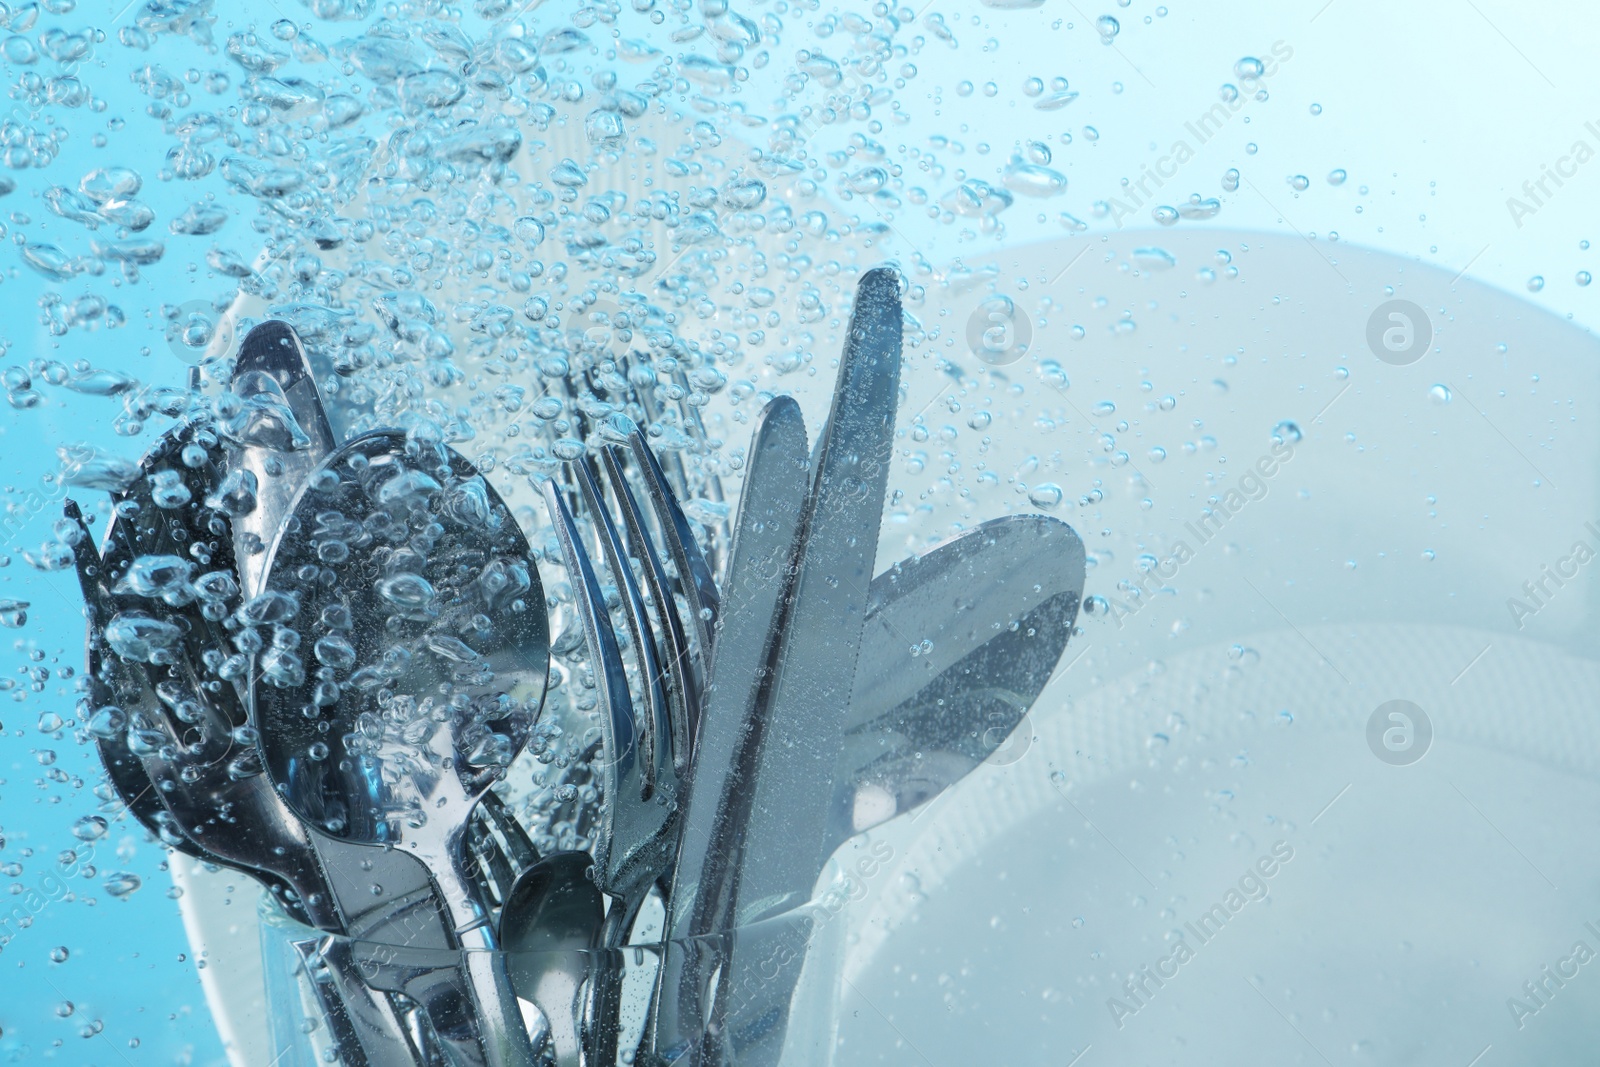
(549, 927)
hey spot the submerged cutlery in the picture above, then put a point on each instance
(277, 433)
(958, 644)
(372, 634)
(187, 739)
(433, 649)
(990, 611)
(694, 574)
(701, 897)
(791, 763)
(192, 732)
(551, 929)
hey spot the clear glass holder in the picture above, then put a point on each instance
(765, 994)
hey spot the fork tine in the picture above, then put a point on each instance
(94, 581)
(656, 730)
(107, 675)
(605, 657)
(127, 774)
(682, 689)
(519, 848)
(694, 575)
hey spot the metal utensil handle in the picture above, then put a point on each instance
(367, 1029)
(498, 1014)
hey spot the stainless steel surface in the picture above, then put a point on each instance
(666, 736)
(368, 1030)
(216, 804)
(684, 679)
(958, 644)
(695, 582)
(632, 842)
(628, 826)
(394, 654)
(124, 687)
(433, 562)
(786, 828)
(277, 436)
(276, 439)
(660, 785)
(551, 928)
(518, 848)
(760, 567)
(205, 773)
(802, 728)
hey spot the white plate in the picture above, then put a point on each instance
(1230, 711)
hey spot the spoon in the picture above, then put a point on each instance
(277, 432)
(277, 437)
(210, 784)
(549, 928)
(433, 648)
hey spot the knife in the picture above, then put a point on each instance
(793, 752)
(760, 566)
(959, 643)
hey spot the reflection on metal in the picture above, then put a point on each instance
(321, 658)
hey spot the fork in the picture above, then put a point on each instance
(648, 757)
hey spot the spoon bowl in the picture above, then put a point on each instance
(550, 924)
(408, 663)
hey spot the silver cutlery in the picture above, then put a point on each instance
(701, 897)
(191, 737)
(958, 644)
(635, 838)
(683, 669)
(955, 646)
(551, 929)
(694, 574)
(790, 768)
(427, 618)
(366, 654)
(277, 434)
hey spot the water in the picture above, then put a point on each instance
(487, 222)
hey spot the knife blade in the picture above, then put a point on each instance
(801, 730)
(760, 566)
